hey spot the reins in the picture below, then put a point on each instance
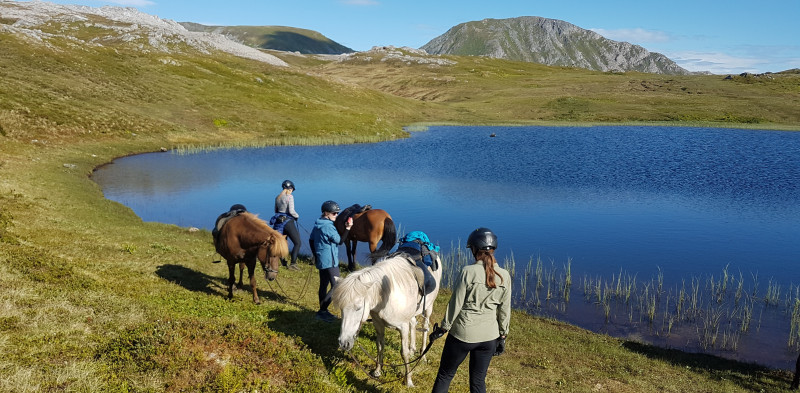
(416, 361)
(283, 291)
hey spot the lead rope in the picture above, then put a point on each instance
(305, 285)
(286, 295)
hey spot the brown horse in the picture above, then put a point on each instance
(245, 238)
(371, 226)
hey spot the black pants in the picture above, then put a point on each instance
(454, 353)
(290, 229)
(326, 277)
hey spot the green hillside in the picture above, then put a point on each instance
(95, 300)
(283, 38)
(483, 90)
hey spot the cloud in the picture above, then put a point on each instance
(718, 62)
(635, 36)
(360, 2)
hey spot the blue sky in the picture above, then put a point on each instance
(727, 37)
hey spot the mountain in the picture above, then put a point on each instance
(288, 39)
(107, 26)
(551, 42)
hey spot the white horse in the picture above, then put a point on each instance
(389, 293)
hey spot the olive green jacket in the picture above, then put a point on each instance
(477, 313)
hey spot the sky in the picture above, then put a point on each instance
(729, 37)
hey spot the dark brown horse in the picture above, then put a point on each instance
(245, 238)
(371, 226)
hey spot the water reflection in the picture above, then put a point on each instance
(680, 202)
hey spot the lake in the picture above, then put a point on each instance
(653, 205)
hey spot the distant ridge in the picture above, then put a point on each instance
(551, 42)
(282, 38)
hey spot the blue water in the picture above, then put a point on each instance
(681, 201)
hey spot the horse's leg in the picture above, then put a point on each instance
(231, 278)
(351, 256)
(251, 271)
(796, 381)
(240, 285)
(412, 331)
(380, 330)
(407, 345)
(426, 321)
(373, 244)
(348, 249)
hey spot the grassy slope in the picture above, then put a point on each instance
(492, 90)
(94, 299)
(280, 38)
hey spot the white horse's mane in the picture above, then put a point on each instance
(359, 285)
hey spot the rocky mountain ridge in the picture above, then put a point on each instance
(37, 19)
(551, 42)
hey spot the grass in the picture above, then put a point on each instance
(96, 300)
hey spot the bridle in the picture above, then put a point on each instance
(267, 268)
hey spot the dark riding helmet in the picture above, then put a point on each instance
(287, 184)
(482, 239)
(238, 206)
(330, 207)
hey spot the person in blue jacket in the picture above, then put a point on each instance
(325, 241)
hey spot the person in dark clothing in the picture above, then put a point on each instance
(477, 316)
(287, 216)
(325, 241)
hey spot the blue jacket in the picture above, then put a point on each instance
(326, 243)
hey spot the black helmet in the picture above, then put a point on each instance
(330, 207)
(287, 184)
(238, 206)
(482, 238)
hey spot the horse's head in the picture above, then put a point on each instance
(270, 263)
(352, 296)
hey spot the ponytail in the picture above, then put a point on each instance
(487, 256)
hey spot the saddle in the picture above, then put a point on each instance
(353, 210)
(419, 248)
(221, 220)
(421, 253)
